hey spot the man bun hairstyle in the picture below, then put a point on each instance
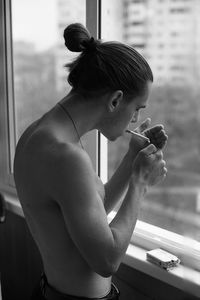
(77, 38)
(104, 66)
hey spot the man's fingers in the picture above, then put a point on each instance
(159, 154)
(158, 137)
(160, 134)
(164, 171)
(151, 149)
(143, 126)
(156, 129)
(161, 139)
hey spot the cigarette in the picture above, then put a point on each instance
(139, 135)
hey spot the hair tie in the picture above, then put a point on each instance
(90, 45)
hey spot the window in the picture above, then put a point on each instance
(33, 77)
(39, 78)
(174, 204)
(39, 55)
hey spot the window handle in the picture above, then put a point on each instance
(2, 209)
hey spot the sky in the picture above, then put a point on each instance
(35, 21)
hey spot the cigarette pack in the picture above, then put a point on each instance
(163, 259)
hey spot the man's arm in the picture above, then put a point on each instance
(72, 184)
(117, 185)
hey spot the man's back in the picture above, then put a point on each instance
(35, 161)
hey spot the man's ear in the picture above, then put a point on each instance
(115, 100)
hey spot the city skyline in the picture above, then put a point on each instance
(165, 32)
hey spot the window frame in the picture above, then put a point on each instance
(5, 163)
(10, 91)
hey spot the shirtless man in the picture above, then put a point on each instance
(64, 202)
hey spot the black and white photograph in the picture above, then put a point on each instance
(100, 149)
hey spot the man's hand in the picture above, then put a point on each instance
(156, 134)
(149, 167)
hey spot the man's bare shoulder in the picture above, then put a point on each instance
(69, 171)
(67, 159)
(66, 152)
(49, 145)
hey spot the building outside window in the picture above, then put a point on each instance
(174, 102)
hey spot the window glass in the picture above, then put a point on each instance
(174, 204)
(39, 55)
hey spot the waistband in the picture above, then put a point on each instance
(51, 293)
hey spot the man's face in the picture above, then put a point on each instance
(126, 113)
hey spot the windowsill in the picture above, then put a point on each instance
(13, 205)
(181, 277)
(184, 277)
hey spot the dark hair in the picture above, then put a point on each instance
(104, 66)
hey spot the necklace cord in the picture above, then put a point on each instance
(70, 117)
